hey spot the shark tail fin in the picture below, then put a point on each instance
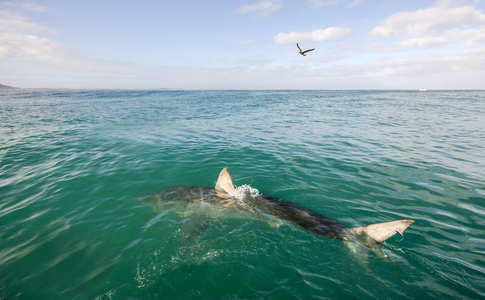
(362, 239)
(381, 231)
(224, 182)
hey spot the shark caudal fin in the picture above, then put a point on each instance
(224, 182)
(362, 239)
(381, 231)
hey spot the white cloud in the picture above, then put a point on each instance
(470, 37)
(19, 40)
(30, 6)
(459, 69)
(327, 3)
(421, 42)
(262, 8)
(433, 20)
(429, 64)
(318, 35)
(244, 43)
(323, 3)
(435, 26)
(22, 40)
(15, 22)
(356, 3)
(27, 47)
(329, 58)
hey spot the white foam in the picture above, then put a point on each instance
(245, 197)
(244, 192)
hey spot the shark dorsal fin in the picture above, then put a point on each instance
(382, 231)
(224, 182)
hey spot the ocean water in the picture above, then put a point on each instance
(75, 164)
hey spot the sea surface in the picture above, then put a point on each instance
(75, 164)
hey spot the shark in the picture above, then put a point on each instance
(360, 239)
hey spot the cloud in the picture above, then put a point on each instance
(470, 37)
(430, 64)
(329, 58)
(15, 22)
(356, 3)
(444, 71)
(327, 3)
(19, 40)
(262, 8)
(23, 40)
(244, 43)
(439, 26)
(318, 35)
(323, 3)
(433, 20)
(29, 6)
(427, 65)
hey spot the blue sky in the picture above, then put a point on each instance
(245, 44)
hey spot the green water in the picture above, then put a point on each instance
(74, 165)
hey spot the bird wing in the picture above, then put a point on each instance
(298, 47)
(308, 50)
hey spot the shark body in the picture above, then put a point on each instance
(224, 195)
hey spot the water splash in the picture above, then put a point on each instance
(246, 197)
(244, 192)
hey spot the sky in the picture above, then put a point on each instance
(243, 44)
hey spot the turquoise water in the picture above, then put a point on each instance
(74, 165)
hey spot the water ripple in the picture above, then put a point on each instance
(74, 164)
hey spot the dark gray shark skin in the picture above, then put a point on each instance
(261, 205)
(264, 206)
(300, 216)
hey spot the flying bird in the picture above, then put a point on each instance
(303, 52)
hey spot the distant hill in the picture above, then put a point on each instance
(4, 87)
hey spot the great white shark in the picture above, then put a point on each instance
(360, 239)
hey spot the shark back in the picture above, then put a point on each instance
(299, 215)
(179, 195)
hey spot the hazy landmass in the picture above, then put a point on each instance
(4, 87)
